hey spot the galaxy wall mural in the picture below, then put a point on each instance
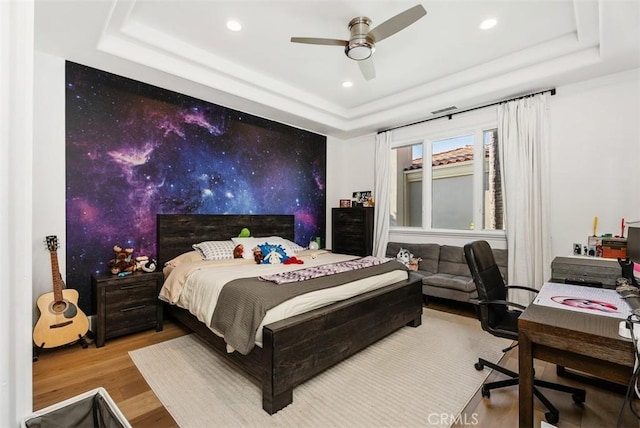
(134, 150)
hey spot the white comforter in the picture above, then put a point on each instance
(196, 286)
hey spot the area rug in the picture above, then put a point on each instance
(415, 377)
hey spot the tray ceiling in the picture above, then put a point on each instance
(443, 59)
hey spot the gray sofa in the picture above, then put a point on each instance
(444, 269)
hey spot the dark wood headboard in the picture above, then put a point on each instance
(178, 232)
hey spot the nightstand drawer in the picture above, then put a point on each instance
(129, 319)
(125, 295)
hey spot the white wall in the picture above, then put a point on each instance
(349, 169)
(595, 158)
(594, 164)
(49, 169)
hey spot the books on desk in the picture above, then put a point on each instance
(590, 300)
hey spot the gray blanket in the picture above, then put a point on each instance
(243, 303)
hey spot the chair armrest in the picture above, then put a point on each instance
(501, 302)
(521, 287)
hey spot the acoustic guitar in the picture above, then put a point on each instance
(61, 321)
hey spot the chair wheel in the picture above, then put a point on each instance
(579, 398)
(552, 418)
(478, 366)
(485, 392)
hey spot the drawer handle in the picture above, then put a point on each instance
(127, 287)
(133, 308)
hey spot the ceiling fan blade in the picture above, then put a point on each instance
(397, 23)
(316, 41)
(367, 68)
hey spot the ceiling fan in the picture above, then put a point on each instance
(362, 44)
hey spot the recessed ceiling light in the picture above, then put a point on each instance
(347, 84)
(488, 23)
(234, 25)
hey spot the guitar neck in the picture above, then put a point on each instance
(57, 279)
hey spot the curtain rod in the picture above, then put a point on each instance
(552, 91)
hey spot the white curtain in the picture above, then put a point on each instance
(524, 156)
(381, 193)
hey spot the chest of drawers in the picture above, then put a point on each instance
(352, 231)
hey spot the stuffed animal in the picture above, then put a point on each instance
(145, 264)
(150, 266)
(123, 260)
(413, 263)
(237, 251)
(406, 258)
(257, 255)
(141, 261)
(273, 254)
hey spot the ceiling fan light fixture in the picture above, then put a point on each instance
(360, 50)
(360, 46)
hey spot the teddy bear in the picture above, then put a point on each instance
(123, 260)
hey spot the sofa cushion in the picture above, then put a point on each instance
(454, 282)
(429, 253)
(452, 261)
(453, 271)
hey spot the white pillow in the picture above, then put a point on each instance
(250, 243)
(188, 257)
(215, 250)
(294, 247)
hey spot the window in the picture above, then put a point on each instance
(461, 194)
(406, 186)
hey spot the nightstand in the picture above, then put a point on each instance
(126, 304)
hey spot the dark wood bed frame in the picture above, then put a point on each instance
(297, 348)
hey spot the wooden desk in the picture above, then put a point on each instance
(585, 342)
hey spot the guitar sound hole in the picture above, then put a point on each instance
(59, 307)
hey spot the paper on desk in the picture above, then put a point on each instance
(589, 300)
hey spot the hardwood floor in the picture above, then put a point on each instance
(68, 371)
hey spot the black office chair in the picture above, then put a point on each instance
(497, 317)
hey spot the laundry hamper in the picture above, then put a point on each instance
(91, 409)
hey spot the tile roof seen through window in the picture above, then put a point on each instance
(460, 154)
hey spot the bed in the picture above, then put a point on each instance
(297, 348)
